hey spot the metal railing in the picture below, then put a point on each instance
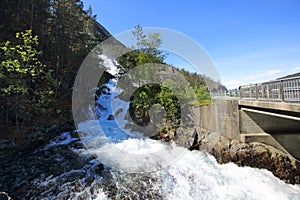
(285, 90)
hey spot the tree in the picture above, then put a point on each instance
(145, 50)
(140, 37)
(66, 35)
(148, 46)
(26, 82)
(90, 14)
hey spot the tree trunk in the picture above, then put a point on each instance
(17, 120)
(31, 17)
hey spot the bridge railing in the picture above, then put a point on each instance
(285, 90)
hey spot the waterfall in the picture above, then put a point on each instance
(161, 172)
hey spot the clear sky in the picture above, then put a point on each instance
(249, 41)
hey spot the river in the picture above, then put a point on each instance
(144, 168)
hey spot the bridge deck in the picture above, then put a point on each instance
(279, 106)
(279, 120)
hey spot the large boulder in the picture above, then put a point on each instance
(253, 154)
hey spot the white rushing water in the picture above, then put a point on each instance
(198, 176)
(192, 175)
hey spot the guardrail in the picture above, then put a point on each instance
(285, 90)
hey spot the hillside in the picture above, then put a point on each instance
(43, 44)
(65, 35)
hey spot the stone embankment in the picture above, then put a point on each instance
(217, 132)
(252, 154)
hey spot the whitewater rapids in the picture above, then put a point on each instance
(175, 172)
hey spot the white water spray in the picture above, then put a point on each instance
(194, 175)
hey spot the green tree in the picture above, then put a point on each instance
(145, 50)
(140, 37)
(26, 82)
(147, 94)
(66, 35)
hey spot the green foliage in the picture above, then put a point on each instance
(170, 102)
(145, 51)
(199, 86)
(27, 84)
(66, 35)
(140, 37)
(202, 94)
(162, 129)
(148, 95)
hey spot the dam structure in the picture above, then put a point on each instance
(266, 112)
(270, 113)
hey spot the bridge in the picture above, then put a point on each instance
(269, 112)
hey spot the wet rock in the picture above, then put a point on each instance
(110, 117)
(160, 135)
(4, 196)
(102, 90)
(74, 134)
(195, 144)
(118, 112)
(167, 135)
(77, 145)
(172, 134)
(27, 172)
(99, 106)
(253, 154)
(105, 90)
(99, 168)
(7, 144)
(157, 136)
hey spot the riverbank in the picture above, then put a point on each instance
(217, 132)
(63, 169)
(56, 165)
(52, 168)
(254, 154)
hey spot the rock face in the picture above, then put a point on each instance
(167, 135)
(253, 154)
(46, 170)
(110, 117)
(4, 196)
(56, 169)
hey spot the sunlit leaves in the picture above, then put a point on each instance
(26, 81)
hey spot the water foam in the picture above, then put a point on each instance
(193, 175)
(197, 175)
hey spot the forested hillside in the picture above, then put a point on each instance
(43, 43)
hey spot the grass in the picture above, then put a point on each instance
(201, 102)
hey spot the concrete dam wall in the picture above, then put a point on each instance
(225, 117)
(221, 116)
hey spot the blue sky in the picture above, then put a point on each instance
(249, 41)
